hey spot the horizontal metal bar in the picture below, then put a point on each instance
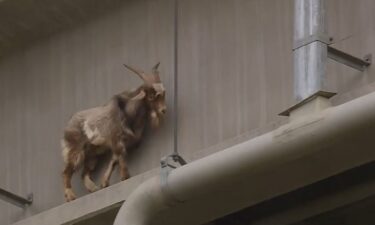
(15, 199)
(349, 60)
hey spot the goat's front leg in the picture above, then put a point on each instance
(109, 170)
(118, 155)
(120, 152)
(124, 172)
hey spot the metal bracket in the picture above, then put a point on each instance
(312, 38)
(335, 54)
(166, 168)
(175, 157)
(325, 94)
(349, 60)
(16, 199)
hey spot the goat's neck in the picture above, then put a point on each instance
(134, 107)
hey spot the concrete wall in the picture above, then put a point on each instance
(235, 76)
(235, 68)
(351, 24)
(42, 86)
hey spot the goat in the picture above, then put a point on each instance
(115, 127)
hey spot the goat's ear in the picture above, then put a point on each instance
(141, 95)
(134, 103)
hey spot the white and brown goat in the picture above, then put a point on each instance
(115, 126)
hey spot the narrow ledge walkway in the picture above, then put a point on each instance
(89, 205)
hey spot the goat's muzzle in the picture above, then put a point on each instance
(162, 111)
(156, 117)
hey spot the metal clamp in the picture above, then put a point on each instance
(16, 199)
(175, 157)
(166, 168)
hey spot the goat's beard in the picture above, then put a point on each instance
(155, 119)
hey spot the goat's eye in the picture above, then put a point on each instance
(151, 97)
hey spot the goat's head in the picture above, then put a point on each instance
(153, 94)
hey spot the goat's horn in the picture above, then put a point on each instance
(155, 68)
(141, 74)
(156, 72)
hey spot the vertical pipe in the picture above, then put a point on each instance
(174, 155)
(175, 89)
(309, 59)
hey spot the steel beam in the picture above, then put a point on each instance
(15, 199)
(349, 60)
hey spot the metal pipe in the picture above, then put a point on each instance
(292, 156)
(310, 51)
(175, 81)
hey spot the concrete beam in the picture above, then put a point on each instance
(89, 205)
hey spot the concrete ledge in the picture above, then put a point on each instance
(89, 205)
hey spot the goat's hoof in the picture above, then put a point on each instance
(93, 189)
(105, 184)
(91, 186)
(125, 178)
(69, 195)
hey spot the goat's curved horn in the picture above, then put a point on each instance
(141, 74)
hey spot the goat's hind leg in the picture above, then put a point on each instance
(73, 159)
(67, 177)
(89, 166)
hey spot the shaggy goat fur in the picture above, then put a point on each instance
(115, 126)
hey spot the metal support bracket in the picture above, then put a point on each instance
(312, 38)
(349, 60)
(166, 168)
(175, 157)
(15, 199)
(334, 53)
(324, 94)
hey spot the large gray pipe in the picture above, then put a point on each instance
(306, 150)
(309, 57)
